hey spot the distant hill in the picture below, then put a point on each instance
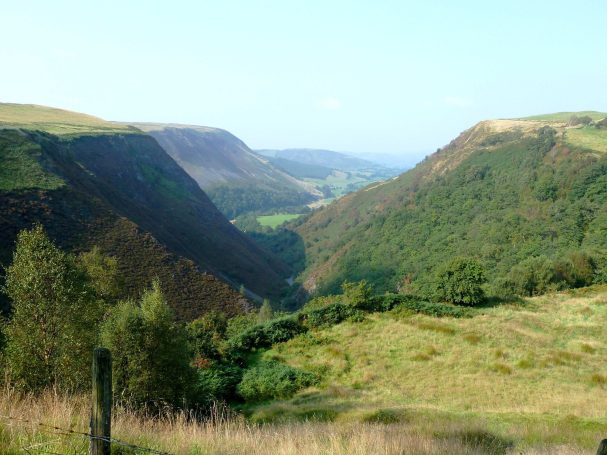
(333, 173)
(91, 182)
(502, 192)
(236, 179)
(318, 157)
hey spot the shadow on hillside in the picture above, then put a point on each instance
(494, 301)
(288, 246)
(480, 440)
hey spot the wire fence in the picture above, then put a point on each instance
(52, 429)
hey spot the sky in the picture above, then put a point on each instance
(388, 77)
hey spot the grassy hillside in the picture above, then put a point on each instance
(532, 372)
(566, 116)
(528, 377)
(55, 121)
(502, 192)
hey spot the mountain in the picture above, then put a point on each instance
(318, 157)
(332, 173)
(92, 182)
(235, 178)
(506, 192)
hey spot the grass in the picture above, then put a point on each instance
(518, 369)
(527, 378)
(55, 121)
(387, 431)
(20, 166)
(565, 116)
(588, 138)
(274, 221)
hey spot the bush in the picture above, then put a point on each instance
(412, 303)
(533, 276)
(331, 314)
(273, 380)
(217, 383)
(460, 282)
(265, 335)
(206, 334)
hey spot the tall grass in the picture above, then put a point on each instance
(226, 434)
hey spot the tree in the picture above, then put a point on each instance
(151, 356)
(103, 273)
(356, 293)
(460, 282)
(55, 312)
(265, 312)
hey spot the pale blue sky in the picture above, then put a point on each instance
(362, 76)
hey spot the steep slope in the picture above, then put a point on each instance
(121, 190)
(503, 191)
(226, 168)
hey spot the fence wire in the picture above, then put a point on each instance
(52, 429)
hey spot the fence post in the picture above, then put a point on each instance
(101, 412)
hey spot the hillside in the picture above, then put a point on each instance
(426, 372)
(235, 178)
(96, 185)
(503, 191)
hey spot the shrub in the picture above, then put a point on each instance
(533, 276)
(331, 314)
(265, 335)
(575, 270)
(217, 383)
(273, 380)
(206, 334)
(460, 282)
(240, 323)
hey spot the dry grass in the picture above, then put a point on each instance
(384, 432)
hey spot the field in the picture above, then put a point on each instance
(56, 121)
(229, 435)
(588, 138)
(565, 116)
(533, 372)
(274, 221)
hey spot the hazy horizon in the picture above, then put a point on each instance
(394, 79)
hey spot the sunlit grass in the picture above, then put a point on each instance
(383, 431)
(540, 361)
(588, 138)
(274, 221)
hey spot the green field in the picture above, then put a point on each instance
(565, 116)
(274, 221)
(56, 121)
(535, 371)
(588, 138)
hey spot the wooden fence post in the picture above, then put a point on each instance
(602, 450)
(101, 412)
